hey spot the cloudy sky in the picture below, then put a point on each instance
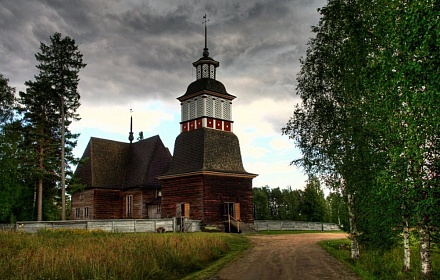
(139, 55)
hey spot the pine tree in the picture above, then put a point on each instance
(51, 103)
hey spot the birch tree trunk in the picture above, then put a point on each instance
(425, 249)
(353, 228)
(406, 247)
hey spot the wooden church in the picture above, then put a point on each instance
(203, 180)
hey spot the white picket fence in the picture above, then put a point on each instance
(155, 225)
(5, 227)
(138, 225)
(261, 225)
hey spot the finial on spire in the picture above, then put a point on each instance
(130, 135)
(205, 50)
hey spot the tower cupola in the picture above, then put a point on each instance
(206, 66)
(206, 102)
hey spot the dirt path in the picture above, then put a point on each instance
(289, 256)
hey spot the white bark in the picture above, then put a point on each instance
(406, 247)
(353, 228)
(425, 250)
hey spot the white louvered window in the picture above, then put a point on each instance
(184, 111)
(193, 109)
(209, 106)
(200, 107)
(218, 108)
(212, 71)
(227, 110)
(199, 71)
(205, 71)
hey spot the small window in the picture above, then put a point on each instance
(81, 196)
(158, 193)
(86, 212)
(129, 206)
(158, 209)
(77, 212)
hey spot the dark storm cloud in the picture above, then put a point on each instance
(139, 50)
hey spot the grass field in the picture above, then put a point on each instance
(385, 265)
(80, 254)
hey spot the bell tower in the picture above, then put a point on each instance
(206, 102)
(206, 176)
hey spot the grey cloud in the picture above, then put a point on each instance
(140, 50)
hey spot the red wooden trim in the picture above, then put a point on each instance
(227, 126)
(219, 124)
(185, 127)
(192, 125)
(210, 122)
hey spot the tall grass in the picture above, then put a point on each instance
(79, 254)
(377, 264)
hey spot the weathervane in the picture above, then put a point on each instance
(130, 135)
(205, 50)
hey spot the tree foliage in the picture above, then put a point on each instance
(50, 103)
(16, 195)
(367, 123)
(297, 205)
(35, 141)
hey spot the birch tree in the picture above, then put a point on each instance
(329, 126)
(407, 91)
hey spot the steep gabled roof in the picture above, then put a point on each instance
(206, 149)
(119, 165)
(148, 158)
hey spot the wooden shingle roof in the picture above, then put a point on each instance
(119, 165)
(206, 84)
(206, 150)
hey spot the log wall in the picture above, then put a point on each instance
(183, 190)
(206, 195)
(219, 190)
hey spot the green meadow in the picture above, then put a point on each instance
(80, 254)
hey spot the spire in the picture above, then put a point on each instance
(130, 135)
(205, 66)
(205, 50)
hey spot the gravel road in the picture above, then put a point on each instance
(287, 256)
